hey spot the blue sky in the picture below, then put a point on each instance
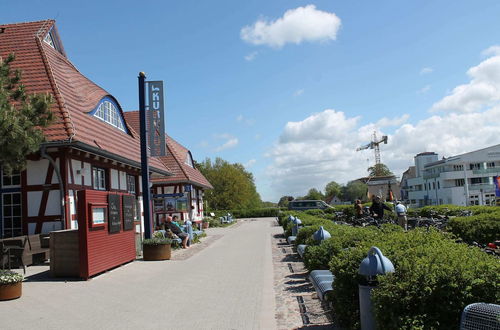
(291, 88)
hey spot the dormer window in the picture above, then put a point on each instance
(48, 40)
(189, 160)
(108, 112)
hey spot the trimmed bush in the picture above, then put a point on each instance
(434, 279)
(249, 213)
(483, 228)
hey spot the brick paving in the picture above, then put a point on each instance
(236, 278)
(297, 304)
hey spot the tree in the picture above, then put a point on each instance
(379, 170)
(234, 187)
(355, 190)
(283, 202)
(22, 118)
(333, 189)
(314, 194)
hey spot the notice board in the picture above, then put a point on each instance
(114, 214)
(128, 204)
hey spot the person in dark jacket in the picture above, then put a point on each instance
(177, 231)
(377, 208)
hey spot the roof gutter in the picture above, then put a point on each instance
(183, 181)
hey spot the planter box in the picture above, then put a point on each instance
(205, 225)
(156, 252)
(11, 291)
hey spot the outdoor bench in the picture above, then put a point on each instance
(301, 249)
(322, 281)
(291, 239)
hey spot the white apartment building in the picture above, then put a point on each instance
(466, 179)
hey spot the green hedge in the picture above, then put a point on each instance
(249, 213)
(343, 237)
(434, 279)
(483, 228)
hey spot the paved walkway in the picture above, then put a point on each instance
(226, 285)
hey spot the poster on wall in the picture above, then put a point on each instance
(158, 205)
(170, 204)
(181, 204)
(128, 203)
(114, 213)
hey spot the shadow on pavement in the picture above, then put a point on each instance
(45, 277)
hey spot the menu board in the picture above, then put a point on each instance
(114, 213)
(128, 204)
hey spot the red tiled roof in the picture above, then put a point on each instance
(46, 70)
(175, 159)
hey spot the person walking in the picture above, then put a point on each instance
(401, 213)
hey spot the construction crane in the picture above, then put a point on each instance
(374, 144)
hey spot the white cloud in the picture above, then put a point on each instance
(230, 141)
(327, 125)
(426, 70)
(296, 26)
(491, 51)
(483, 89)
(247, 121)
(300, 161)
(298, 92)
(424, 89)
(250, 57)
(250, 163)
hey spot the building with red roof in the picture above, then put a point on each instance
(90, 145)
(177, 193)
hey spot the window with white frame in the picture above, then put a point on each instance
(49, 40)
(99, 178)
(459, 182)
(108, 112)
(189, 160)
(131, 184)
(458, 167)
(12, 180)
(11, 214)
(490, 164)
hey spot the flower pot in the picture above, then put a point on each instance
(205, 225)
(11, 291)
(156, 252)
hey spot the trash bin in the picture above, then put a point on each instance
(374, 264)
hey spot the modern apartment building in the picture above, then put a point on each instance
(466, 179)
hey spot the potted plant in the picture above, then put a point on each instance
(11, 285)
(156, 248)
(205, 223)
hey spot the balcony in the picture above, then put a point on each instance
(482, 186)
(494, 170)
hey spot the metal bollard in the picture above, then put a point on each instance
(374, 264)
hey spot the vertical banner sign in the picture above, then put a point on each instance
(156, 118)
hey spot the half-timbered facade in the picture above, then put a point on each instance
(90, 146)
(182, 193)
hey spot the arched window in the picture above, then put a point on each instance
(108, 112)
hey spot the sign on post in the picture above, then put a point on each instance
(156, 118)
